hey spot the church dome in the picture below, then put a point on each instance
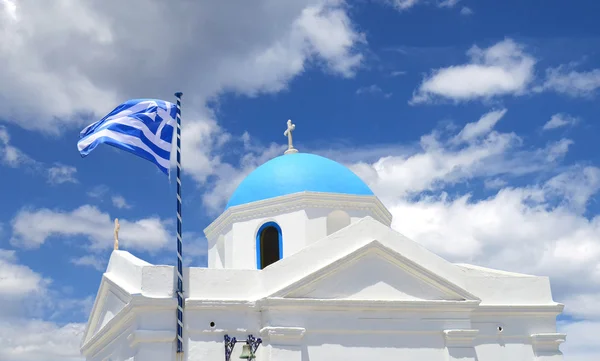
(294, 173)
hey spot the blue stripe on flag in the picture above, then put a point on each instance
(129, 148)
(136, 133)
(144, 127)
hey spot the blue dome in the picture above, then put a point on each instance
(294, 173)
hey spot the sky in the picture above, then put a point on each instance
(475, 122)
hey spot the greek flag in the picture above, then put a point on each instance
(143, 127)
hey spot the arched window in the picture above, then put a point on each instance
(337, 220)
(268, 245)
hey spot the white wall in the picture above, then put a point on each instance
(327, 335)
(357, 336)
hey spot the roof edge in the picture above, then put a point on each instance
(297, 201)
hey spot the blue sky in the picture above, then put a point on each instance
(475, 123)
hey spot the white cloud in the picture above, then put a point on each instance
(475, 151)
(279, 43)
(372, 89)
(60, 173)
(98, 192)
(32, 340)
(518, 229)
(9, 9)
(403, 4)
(329, 33)
(557, 150)
(582, 340)
(448, 3)
(565, 80)
(10, 155)
(583, 305)
(102, 192)
(441, 160)
(202, 139)
(27, 297)
(18, 281)
(120, 202)
(90, 260)
(228, 176)
(32, 227)
(502, 69)
(62, 84)
(575, 187)
(466, 10)
(560, 120)
(483, 126)
(23, 338)
(494, 183)
(13, 157)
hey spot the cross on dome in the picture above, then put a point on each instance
(288, 134)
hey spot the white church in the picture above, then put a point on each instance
(303, 266)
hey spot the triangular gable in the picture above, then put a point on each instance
(115, 291)
(374, 272)
(111, 299)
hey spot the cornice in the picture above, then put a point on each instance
(366, 305)
(212, 304)
(123, 319)
(282, 335)
(296, 201)
(473, 306)
(93, 318)
(281, 303)
(547, 342)
(516, 310)
(108, 332)
(460, 337)
(107, 284)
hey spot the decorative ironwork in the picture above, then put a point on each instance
(253, 342)
(230, 342)
(229, 345)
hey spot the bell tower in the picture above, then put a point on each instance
(286, 204)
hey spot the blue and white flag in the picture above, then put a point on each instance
(143, 127)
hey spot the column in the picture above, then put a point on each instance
(282, 343)
(459, 344)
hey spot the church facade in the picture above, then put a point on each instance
(303, 266)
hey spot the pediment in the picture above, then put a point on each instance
(111, 299)
(374, 272)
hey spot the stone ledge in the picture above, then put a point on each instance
(153, 336)
(544, 342)
(283, 334)
(460, 338)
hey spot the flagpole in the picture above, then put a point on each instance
(180, 302)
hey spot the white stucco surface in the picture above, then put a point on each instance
(363, 292)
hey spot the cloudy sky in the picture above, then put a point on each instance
(475, 122)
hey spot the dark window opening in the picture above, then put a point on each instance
(269, 246)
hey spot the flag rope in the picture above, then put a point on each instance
(179, 291)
